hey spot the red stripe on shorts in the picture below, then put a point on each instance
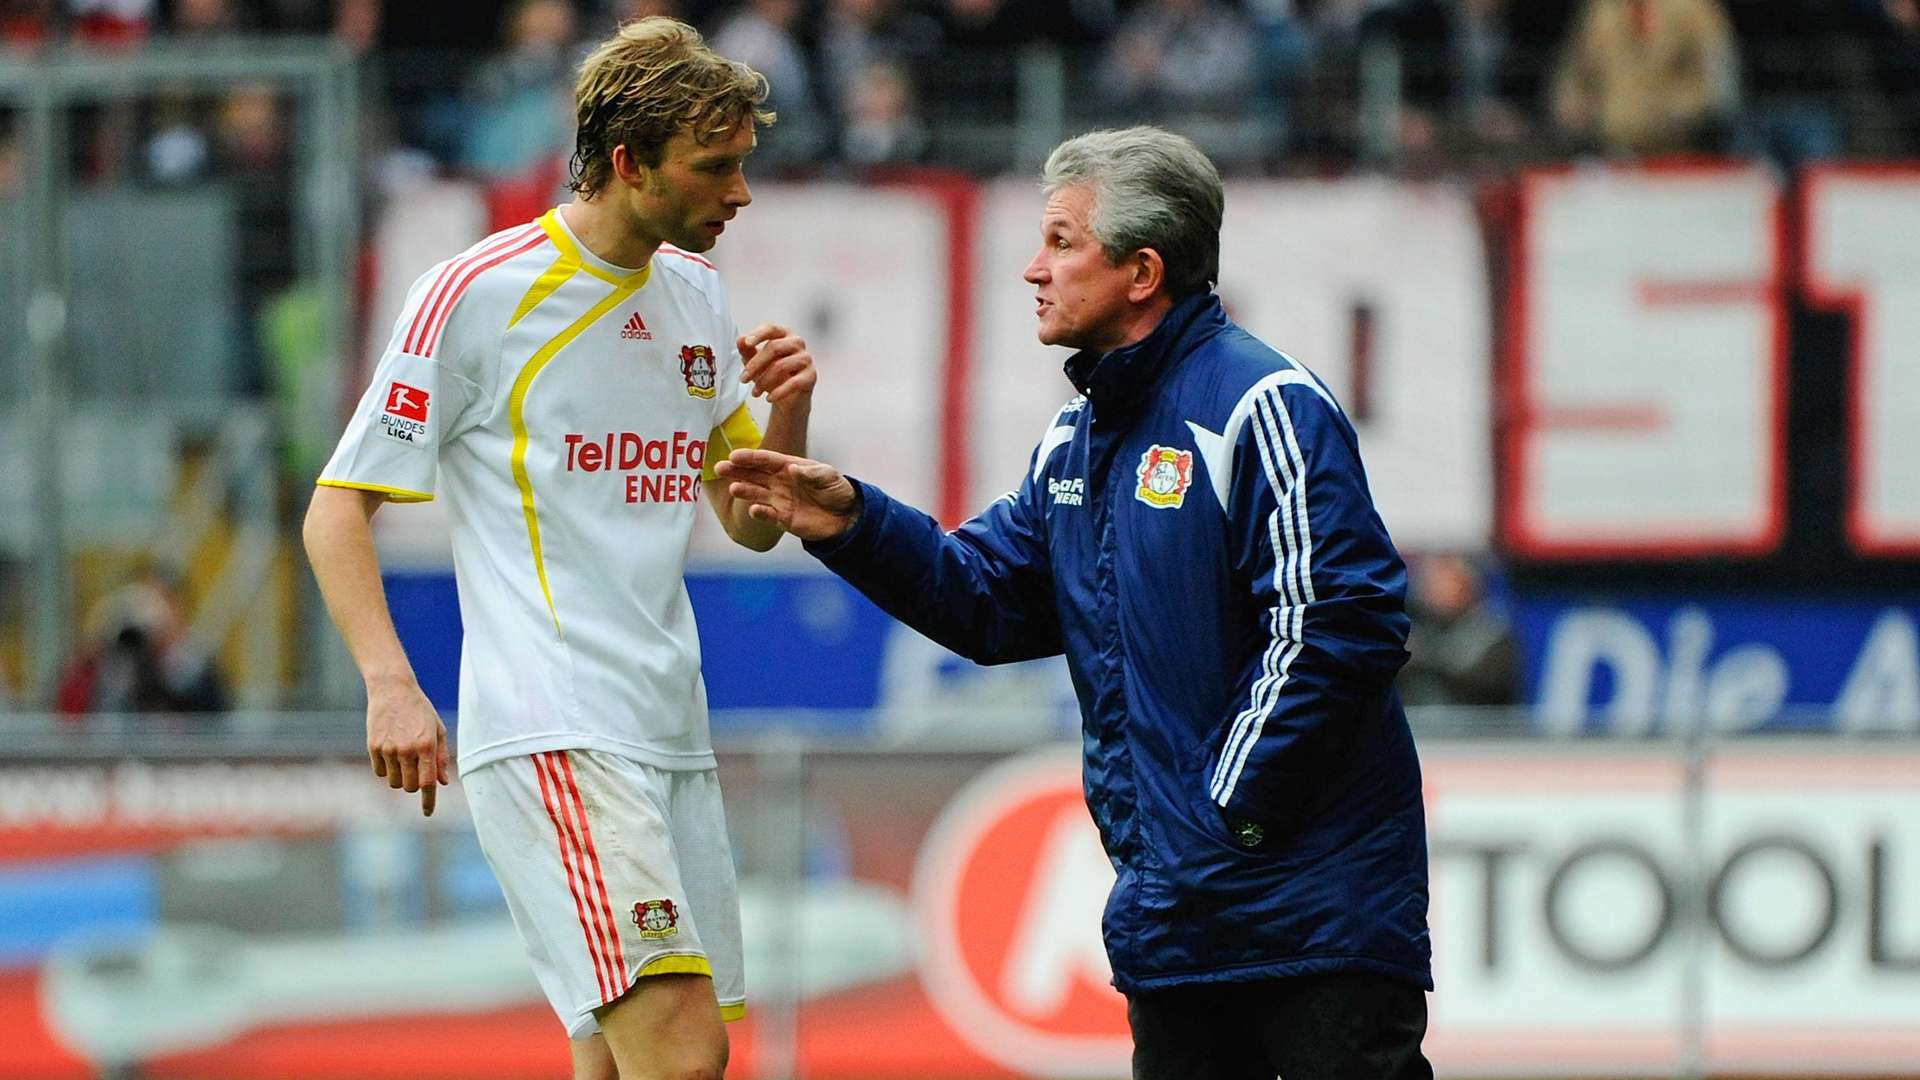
(599, 882)
(567, 857)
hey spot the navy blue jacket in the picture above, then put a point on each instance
(1196, 535)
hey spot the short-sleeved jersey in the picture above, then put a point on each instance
(566, 407)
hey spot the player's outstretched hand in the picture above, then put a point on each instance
(809, 499)
(406, 740)
(776, 362)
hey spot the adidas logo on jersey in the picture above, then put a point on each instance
(636, 329)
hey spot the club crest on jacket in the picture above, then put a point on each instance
(1165, 475)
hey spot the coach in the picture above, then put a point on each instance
(1195, 533)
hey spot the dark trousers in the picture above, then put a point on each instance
(1313, 1027)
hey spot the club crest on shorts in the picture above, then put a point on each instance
(698, 368)
(1165, 475)
(656, 918)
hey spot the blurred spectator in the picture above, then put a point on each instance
(763, 35)
(1284, 50)
(1174, 57)
(205, 20)
(882, 125)
(626, 11)
(520, 104)
(1452, 59)
(1892, 30)
(110, 22)
(1463, 648)
(1648, 77)
(251, 154)
(26, 24)
(1798, 71)
(858, 34)
(178, 151)
(137, 656)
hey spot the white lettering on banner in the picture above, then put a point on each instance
(1380, 288)
(1744, 688)
(1647, 365)
(1863, 257)
(1883, 690)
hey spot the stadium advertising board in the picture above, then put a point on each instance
(1589, 917)
(1646, 364)
(1736, 665)
(1861, 256)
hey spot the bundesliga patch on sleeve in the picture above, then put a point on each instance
(404, 416)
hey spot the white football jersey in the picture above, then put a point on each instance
(569, 409)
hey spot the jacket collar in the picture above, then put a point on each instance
(1118, 383)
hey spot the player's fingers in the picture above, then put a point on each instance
(769, 357)
(429, 769)
(764, 512)
(445, 759)
(394, 777)
(766, 331)
(410, 772)
(379, 762)
(800, 382)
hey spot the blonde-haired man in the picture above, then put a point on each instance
(563, 381)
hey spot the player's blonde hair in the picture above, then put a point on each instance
(654, 78)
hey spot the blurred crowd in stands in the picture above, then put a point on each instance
(482, 86)
(482, 89)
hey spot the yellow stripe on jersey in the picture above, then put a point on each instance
(557, 232)
(517, 421)
(730, 1013)
(545, 285)
(393, 494)
(736, 432)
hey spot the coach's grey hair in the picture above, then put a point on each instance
(1151, 189)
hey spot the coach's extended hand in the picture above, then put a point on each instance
(809, 499)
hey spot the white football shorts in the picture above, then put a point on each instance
(613, 870)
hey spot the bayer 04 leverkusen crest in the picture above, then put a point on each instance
(1165, 475)
(656, 918)
(698, 368)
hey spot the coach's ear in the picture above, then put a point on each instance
(1149, 275)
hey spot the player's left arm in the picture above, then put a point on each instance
(775, 363)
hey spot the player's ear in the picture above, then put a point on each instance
(627, 167)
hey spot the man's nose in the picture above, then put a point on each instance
(1035, 274)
